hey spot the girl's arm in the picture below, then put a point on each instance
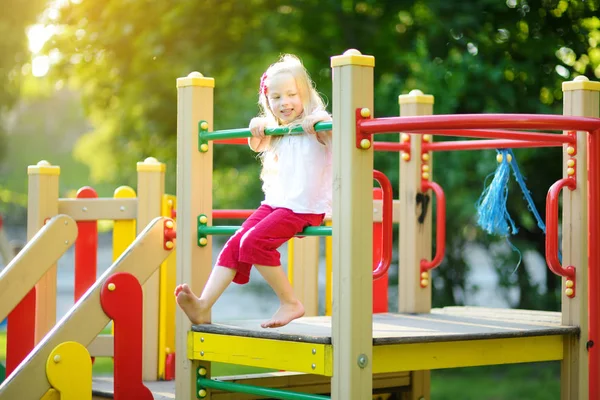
(308, 125)
(258, 141)
(259, 144)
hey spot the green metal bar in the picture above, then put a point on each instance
(257, 390)
(245, 132)
(204, 230)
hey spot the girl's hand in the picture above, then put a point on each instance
(308, 125)
(257, 127)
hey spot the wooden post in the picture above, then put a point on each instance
(303, 256)
(150, 190)
(352, 321)
(42, 204)
(414, 236)
(194, 197)
(581, 99)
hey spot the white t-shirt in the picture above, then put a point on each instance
(297, 174)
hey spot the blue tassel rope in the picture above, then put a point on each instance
(492, 214)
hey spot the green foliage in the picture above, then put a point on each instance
(13, 47)
(475, 56)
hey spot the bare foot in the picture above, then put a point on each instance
(191, 305)
(287, 313)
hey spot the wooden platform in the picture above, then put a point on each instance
(446, 338)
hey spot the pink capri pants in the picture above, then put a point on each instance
(257, 241)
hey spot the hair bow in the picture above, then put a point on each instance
(263, 87)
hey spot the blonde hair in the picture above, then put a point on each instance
(311, 100)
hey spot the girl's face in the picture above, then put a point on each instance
(284, 97)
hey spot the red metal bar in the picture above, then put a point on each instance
(380, 286)
(440, 239)
(86, 249)
(243, 141)
(388, 209)
(20, 335)
(233, 214)
(122, 300)
(594, 263)
(469, 123)
(552, 228)
(391, 146)
(486, 144)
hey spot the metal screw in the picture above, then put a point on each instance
(202, 339)
(314, 366)
(122, 208)
(66, 242)
(202, 353)
(362, 361)
(84, 209)
(314, 351)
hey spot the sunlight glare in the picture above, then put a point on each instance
(38, 35)
(40, 66)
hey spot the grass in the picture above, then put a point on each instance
(535, 381)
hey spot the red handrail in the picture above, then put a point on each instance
(552, 229)
(440, 239)
(233, 214)
(388, 210)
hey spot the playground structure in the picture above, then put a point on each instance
(353, 349)
(350, 352)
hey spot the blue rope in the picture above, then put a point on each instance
(493, 215)
(521, 181)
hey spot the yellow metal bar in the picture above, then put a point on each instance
(166, 321)
(265, 353)
(468, 353)
(123, 230)
(328, 271)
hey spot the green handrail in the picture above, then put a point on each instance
(231, 229)
(204, 135)
(205, 230)
(204, 383)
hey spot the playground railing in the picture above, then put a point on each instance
(40, 253)
(88, 317)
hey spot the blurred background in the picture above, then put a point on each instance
(90, 86)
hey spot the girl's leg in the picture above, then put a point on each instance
(198, 308)
(290, 307)
(259, 247)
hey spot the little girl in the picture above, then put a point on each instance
(297, 181)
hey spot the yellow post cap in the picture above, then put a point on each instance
(415, 96)
(352, 57)
(195, 79)
(151, 164)
(43, 167)
(581, 82)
